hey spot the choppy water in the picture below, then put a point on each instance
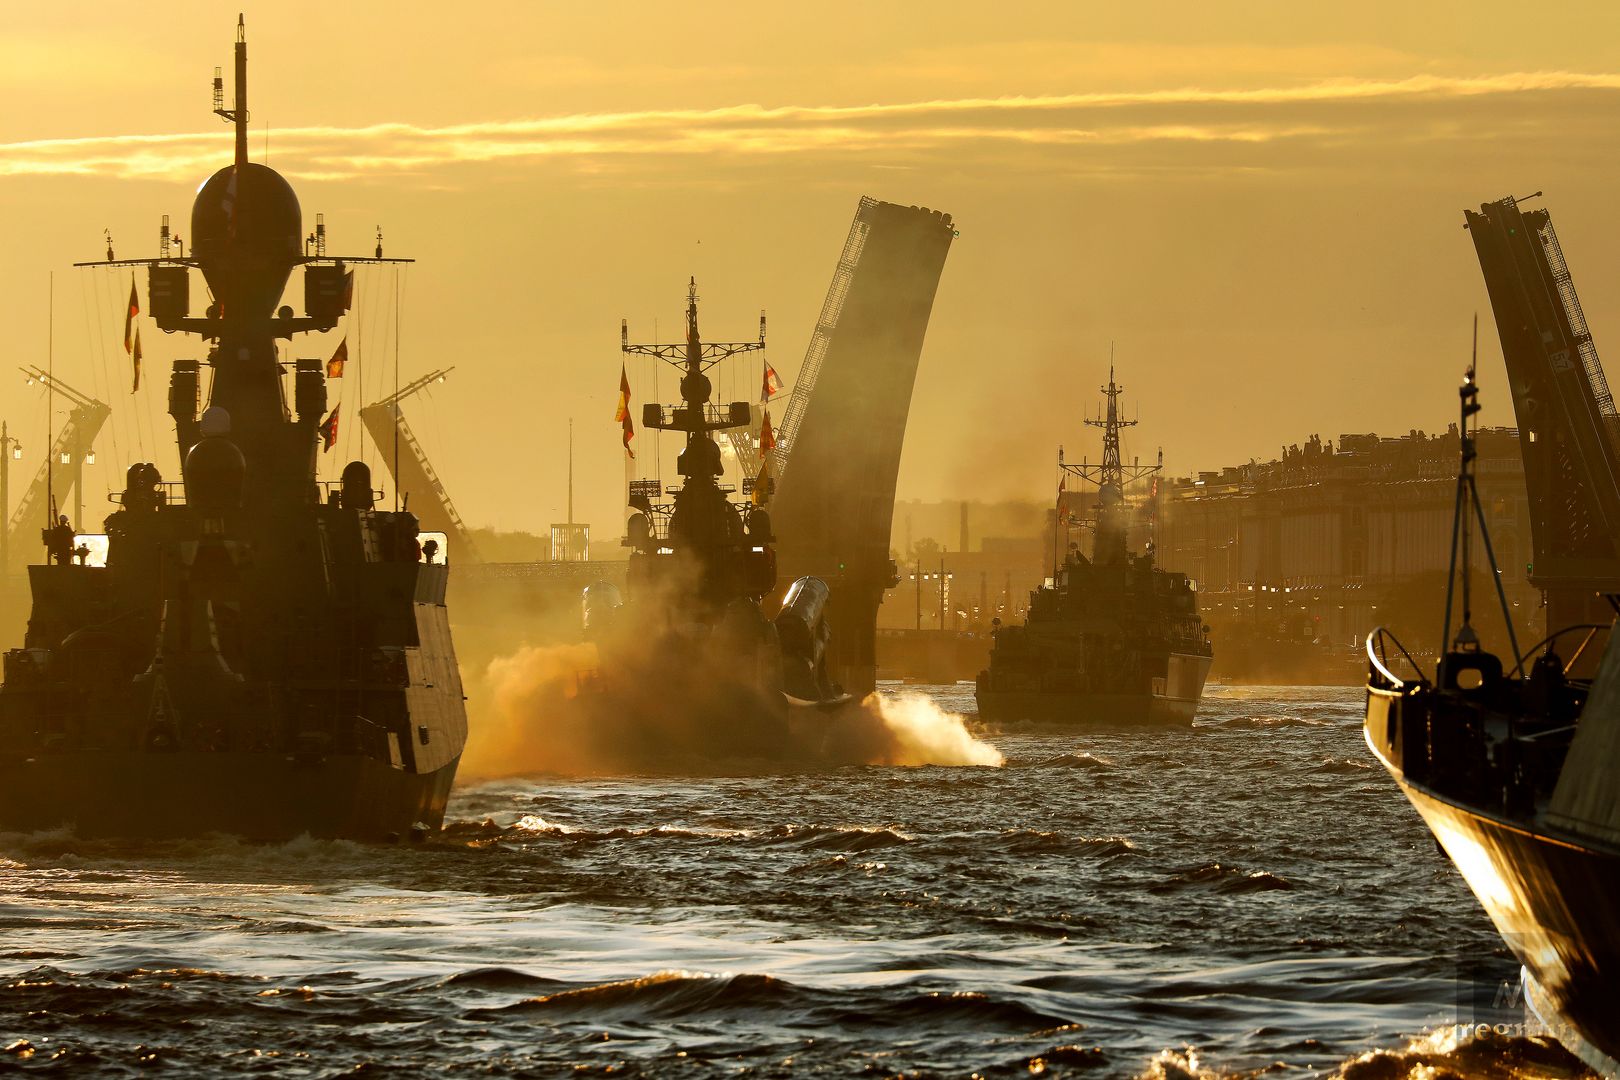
(1253, 891)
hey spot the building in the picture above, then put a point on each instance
(1327, 542)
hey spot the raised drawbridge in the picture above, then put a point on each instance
(837, 452)
(413, 474)
(63, 470)
(1565, 412)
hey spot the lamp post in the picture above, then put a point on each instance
(9, 448)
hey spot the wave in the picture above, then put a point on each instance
(1227, 880)
(493, 979)
(1064, 1059)
(1343, 767)
(687, 995)
(1454, 1051)
(1079, 760)
(957, 1008)
(850, 838)
(1263, 723)
(663, 995)
(840, 838)
(1038, 842)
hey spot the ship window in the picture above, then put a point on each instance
(440, 552)
(95, 548)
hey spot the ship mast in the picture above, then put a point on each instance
(238, 115)
(696, 416)
(701, 521)
(1111, 477)
(1113, 516)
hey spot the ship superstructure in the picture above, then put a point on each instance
(689, 638)
(261, 654)
(1513, 760)
(1112, 639)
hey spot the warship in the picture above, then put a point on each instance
(1512, 759)
(687, 649)
(257, 656)
(1112, 639)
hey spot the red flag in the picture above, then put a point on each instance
(334, 366)
(772, 385)
(135, 356)
(129, 316)
(767, 437)
(348, 290)
(329, 429)
(622, 414)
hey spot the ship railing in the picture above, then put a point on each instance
(1379, 659)
(1592, 630)
(172, 493)
(329, 486)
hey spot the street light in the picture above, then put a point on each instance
(13, 445)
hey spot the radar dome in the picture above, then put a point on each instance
(251, 207)
(215, 421)
(214, 471)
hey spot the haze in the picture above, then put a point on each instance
(1260, 204)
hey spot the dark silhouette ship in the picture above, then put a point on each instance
(1513, 761)
(1113, 639)
(254, 658)
(688, 650)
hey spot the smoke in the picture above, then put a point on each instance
(502, 737)
(921, 733)
(549, 709)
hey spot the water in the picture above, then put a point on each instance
(1250, 892)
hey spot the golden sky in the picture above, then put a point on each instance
(1259, 204)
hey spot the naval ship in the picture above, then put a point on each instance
(261, 654)
(1113, 639)
(688, 650)
(1512, 760)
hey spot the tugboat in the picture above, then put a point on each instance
(688, 651)
(252, 659)
(1512, 761)
(1113, 639)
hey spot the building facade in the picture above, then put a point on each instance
(1326, 542)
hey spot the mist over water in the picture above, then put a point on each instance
(1203, 902)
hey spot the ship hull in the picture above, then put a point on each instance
(256, 796)
(1553, 899)
(1172, 701)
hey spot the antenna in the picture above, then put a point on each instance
(570, 483)
(320, 236)
(108, 234)
(396, 373)
(163, 237)
(238, 115)
(379, 241)
(50, 409)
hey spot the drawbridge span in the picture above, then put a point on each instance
(838, 451)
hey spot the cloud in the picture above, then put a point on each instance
(883, 134)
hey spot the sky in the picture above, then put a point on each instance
(1255, 206)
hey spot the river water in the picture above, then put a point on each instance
(1250, 894)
